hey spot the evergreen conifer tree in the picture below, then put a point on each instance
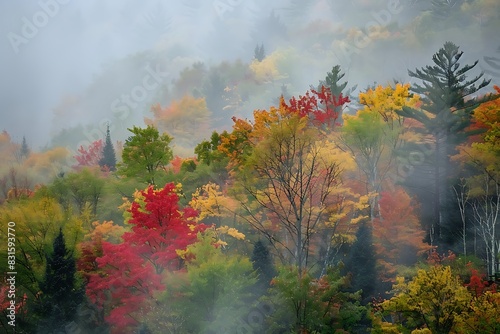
(24, 151)
(262, 264)
(259, 52)
(360, 263)
(108, 153)
(333, 82)
(447, 106)
(60, 295)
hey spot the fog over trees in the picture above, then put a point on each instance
(231, 166)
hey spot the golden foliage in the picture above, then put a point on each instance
(386, 100)
(434, 298)
(106, 231)
(49, 163)
(267, 70)
(210, 201)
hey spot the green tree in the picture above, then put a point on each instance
(24, 150)
(213, 162)
(108, 159)
(85, 189)
(188, 166)
(259, 53)
(333, 82)
(60, 295)
(145, 154)
(303, 304)
(207, 151)
(213, 296)
(360, 263)
(445, 114)
(82, 189)
(262, 264)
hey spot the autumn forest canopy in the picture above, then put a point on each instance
(336, 209)
(324, 211)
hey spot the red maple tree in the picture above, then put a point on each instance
(90, 156)
(161, 227)
(321, 107)
(129, 274)
(478, 285)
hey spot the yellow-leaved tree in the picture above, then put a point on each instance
(481, 190)
(431, 302)
(374, 134)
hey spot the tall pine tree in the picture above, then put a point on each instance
(332, 81)
(337, 88)
(60, 295)
(108, 159)
(445, 114)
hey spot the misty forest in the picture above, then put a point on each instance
(229, 166)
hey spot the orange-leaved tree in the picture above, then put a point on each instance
(187, 120)
(398, 236)
(286, 169)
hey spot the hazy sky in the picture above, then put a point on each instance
(53, 48)
(62, 56)
(68, 47)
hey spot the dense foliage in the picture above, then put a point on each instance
(323, 213)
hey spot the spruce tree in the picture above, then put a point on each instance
(24, 151)
(259, 52)
(360, 263)
(262, 264)
(445, 114)
(60, 296)
(108, 153)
